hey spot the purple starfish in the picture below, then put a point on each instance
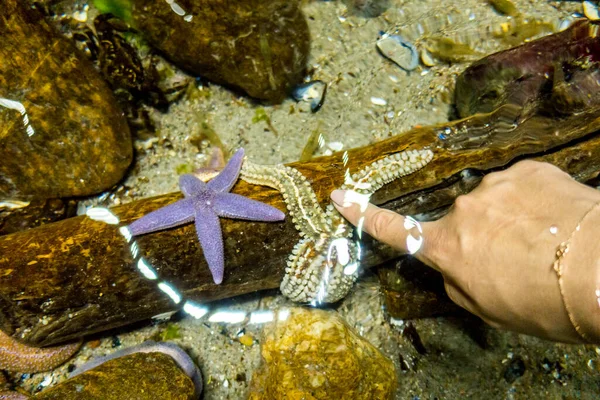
(204, 203)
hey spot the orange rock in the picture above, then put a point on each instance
(314, 355)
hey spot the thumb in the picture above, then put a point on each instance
(388, 227)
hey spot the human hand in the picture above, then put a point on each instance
(495, 247)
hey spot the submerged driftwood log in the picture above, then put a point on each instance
(75, 277)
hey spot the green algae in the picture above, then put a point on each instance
(170, 332)
(119, 8)
(261, 115)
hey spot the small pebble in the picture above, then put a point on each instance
(514, 370)
(246, 339)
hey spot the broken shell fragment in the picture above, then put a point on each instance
(312, 92)
(427, 59)
(401, 52)
(565, 23)
(590, 9)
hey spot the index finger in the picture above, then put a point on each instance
(395, 230)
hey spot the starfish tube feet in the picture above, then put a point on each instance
(324, 264)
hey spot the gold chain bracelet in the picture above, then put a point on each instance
(561, 251)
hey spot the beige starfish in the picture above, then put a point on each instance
(323, 265)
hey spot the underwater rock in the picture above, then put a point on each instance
(313, 354)
(260, 47)
(61, 132)
(557, 74)
(181, 358)
(506, 7)
(138, 376)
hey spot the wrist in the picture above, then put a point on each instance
(578, 272)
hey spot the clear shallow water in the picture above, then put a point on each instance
(370, 99)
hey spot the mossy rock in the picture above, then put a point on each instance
(138, 376)
(61, 131)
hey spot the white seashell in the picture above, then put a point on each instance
(176, 8)
(426, 58)
(401, 52)
(590, 9)
(378, 101)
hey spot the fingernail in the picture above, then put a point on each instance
(338, 197)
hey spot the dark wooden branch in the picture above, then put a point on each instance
(75, 277)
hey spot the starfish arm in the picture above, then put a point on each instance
(18, 357)
(231, 205)
(190, 185)
(229, 175)
(209, 233)
(174, 214)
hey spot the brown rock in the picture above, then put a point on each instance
(313, 354)
(260, 47)
(139, 376)
(75, 140)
